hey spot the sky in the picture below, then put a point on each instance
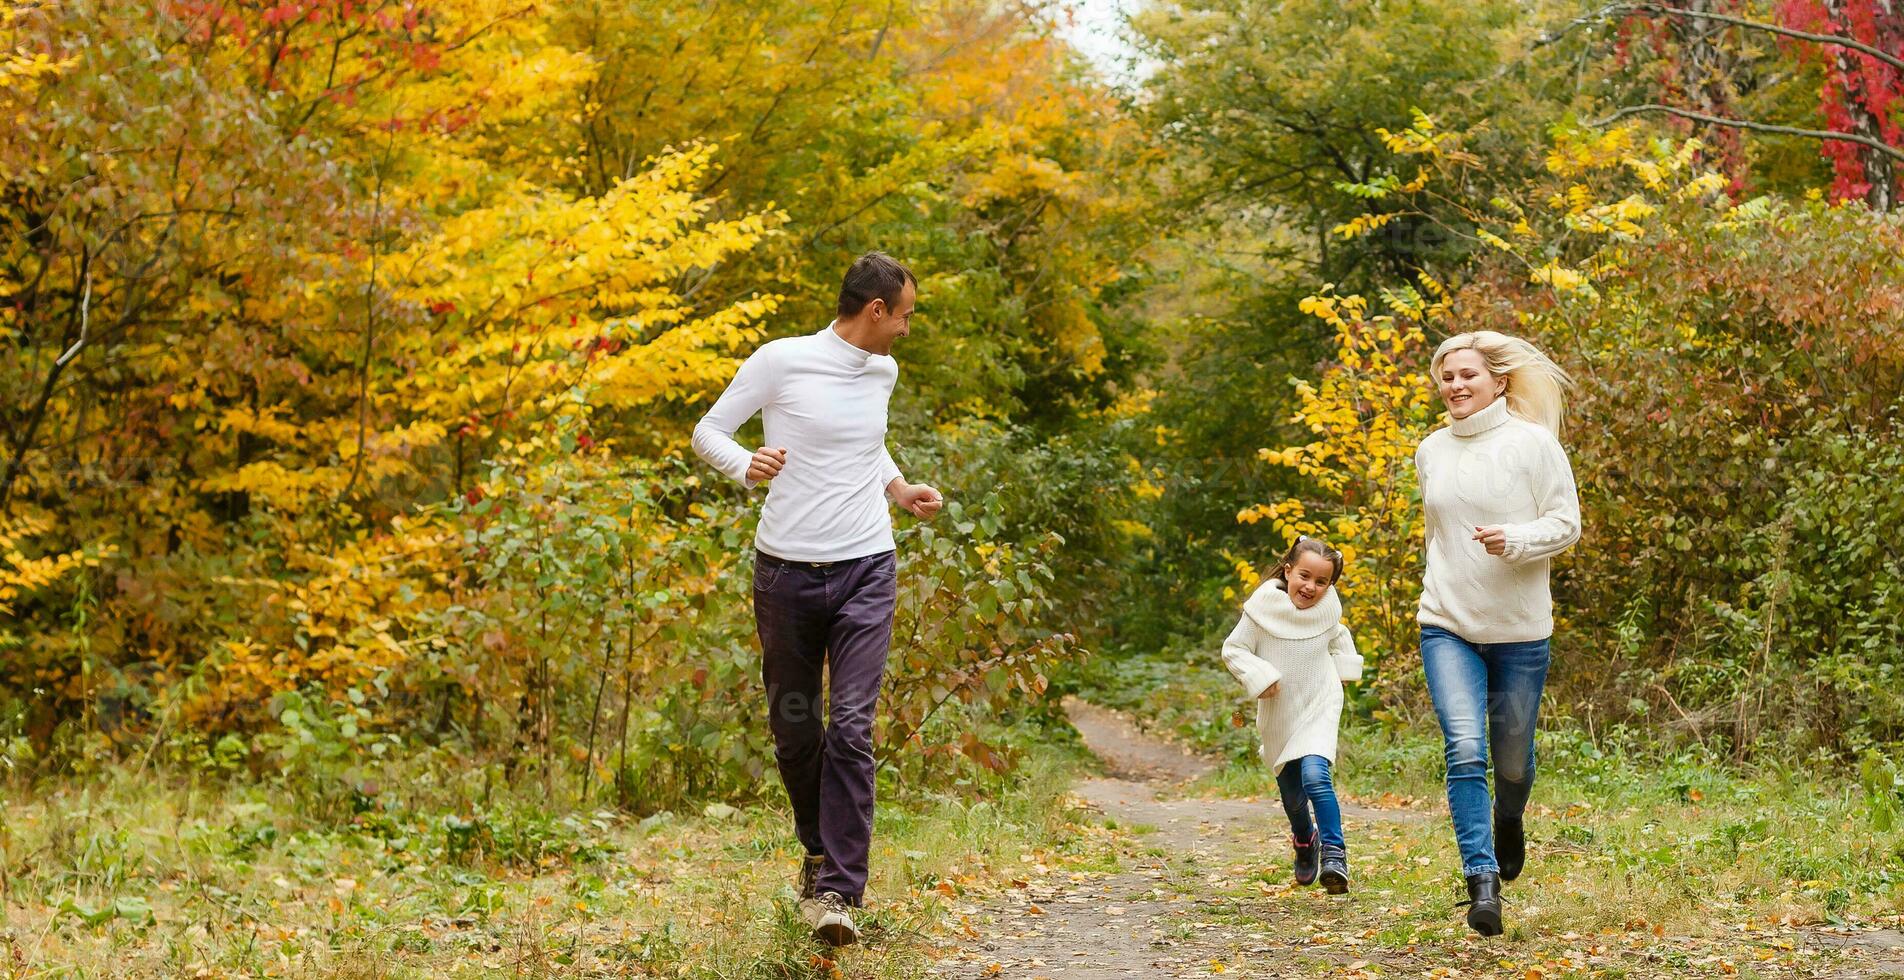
(1095, 30)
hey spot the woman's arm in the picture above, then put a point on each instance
(1558, 526)
(1239, 654)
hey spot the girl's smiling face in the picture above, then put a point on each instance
(1308, 578)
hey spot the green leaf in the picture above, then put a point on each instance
(133, 908)
(90, 916)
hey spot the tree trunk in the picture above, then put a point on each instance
(1880, 170)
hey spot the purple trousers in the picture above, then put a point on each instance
(836, 616)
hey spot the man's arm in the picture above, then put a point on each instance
(748, 393)
(888, 470)
(917, 499)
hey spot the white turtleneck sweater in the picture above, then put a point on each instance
(1494, 468)
(824, 400)
(1310, 653)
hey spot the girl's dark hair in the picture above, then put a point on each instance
(874, 275)
(1306, 545)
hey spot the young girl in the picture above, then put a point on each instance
(1292, 654)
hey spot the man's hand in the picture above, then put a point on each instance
(1271, 691)
(919, 500)
(1493, 538)
(766, 464)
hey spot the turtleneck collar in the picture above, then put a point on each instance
(845, 349)
(1488, 418)
(1276, 614)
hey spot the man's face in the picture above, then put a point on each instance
(895, 322)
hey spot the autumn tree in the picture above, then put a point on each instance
(354, 342)
(1862, 91)
(262, 324)
(1728, 71)
(962, 137)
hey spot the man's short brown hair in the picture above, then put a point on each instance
(872, 276)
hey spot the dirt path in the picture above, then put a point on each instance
(1157, 919)
(1206, 893)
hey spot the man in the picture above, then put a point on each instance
(824, 570)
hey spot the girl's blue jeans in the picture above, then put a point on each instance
(1305, 783)
(1487, 696)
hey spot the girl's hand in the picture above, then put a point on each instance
(1493, 538)
(1270, 691)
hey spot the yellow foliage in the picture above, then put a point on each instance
(21, 574)
(22, 72)
(1368, 411)
(1420, 138)
(1563, 278)
(1578, 152)
(1363, 224)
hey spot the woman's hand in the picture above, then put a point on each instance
(1270, 691)
(1492, 537)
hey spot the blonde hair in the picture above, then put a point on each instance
(1536, 386)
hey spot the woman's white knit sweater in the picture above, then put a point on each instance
(1310, 653)
(1494, 468)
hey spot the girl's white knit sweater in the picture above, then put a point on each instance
(1494, 468)
(1310, 653)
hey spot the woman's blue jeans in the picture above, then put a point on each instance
(1488, 698)
(1305, 783)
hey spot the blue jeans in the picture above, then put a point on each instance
(1304, 783)
(1487, 696)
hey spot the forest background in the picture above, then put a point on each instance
(352, 349)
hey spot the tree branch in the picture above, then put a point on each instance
(1759, 127)
(24, 438)
(1758, 25)
(85, 323)
(1548, 37)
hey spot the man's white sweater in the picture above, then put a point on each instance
(823, 400)
(1494, 468)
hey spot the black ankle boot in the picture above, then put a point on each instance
(1484, 903)
(1510, 845)
(1335, 869)
(1305, 860)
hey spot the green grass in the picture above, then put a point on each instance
(1668, 862)
(1628, 839)
(166, 873)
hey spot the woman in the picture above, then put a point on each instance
(1500, 504)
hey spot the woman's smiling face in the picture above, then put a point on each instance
(1465, 385)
